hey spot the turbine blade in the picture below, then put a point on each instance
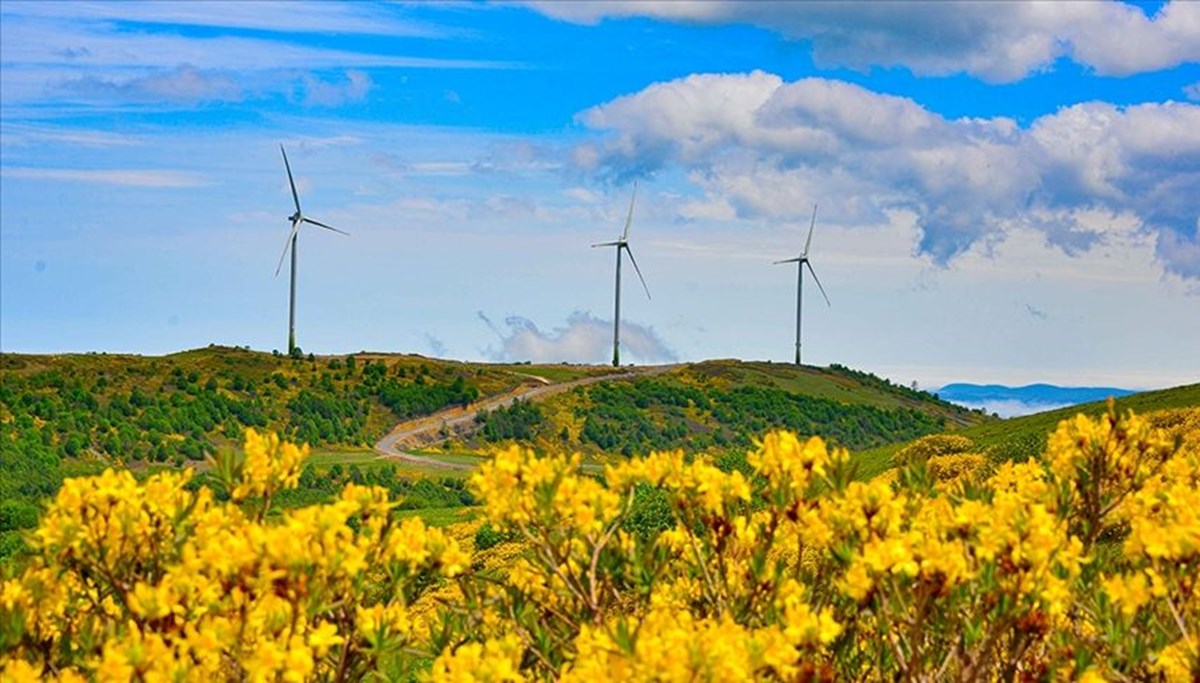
(636, 269)
(629, 218)
(814, 274)
(295, 197)
(319, 224)
(790, 260)
(608, 244)
(811, 225)
(287, 245)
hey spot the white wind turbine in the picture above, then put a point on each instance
(623, 243)
(802, 260)
(296, 219)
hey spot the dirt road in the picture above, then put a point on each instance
(427, 431)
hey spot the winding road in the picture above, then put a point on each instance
(423, 432)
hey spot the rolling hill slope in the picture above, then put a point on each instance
(62, 414)
(1020, 438)
(724, 405)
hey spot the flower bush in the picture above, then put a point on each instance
(1081, 564)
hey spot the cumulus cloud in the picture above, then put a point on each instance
(584, 339)
(762, 148)
(999, 42)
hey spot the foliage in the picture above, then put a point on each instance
(652, 413)
(1078, 564)
(934, 445)
(155, 581)
(872, 380)
(514, 422)
(486, 537)
(957, 467)
(70, 413)
(413, 493)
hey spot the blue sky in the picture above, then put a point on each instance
(1008, 192)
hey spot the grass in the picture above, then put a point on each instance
(367, 459)
(441, 516)
(455, 457)
(833, 385)
(324, 458)
(560, 373)
(1024, 437)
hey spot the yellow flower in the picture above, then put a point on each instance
(17, 670)
(323, 637)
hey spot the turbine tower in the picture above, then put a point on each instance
(623, 243)
(802, 260)
(296, 219)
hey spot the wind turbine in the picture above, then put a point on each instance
(296, 219)
(623, 243)
(802, 260)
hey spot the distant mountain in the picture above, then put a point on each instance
(1011, 401)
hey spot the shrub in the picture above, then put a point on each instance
(16, 515)
(926, 447)
(956, 467)
(487, 537)
(1080, 564)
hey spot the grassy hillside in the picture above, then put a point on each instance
(63, 415)
(724, 405)
(1021, 438)
(69, 410)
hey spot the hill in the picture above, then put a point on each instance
(1020, 438)
(64, 413)
(724, 405)
(1013, 401)
(1031, 393)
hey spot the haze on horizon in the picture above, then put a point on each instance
(1009, 194)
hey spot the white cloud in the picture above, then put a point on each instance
(24, 134)
(188, 85)
(184, 84)
(73, 45)
(321, 93)
(760, 148)
(1012, 408)
(581, 194)
(999, 42)
(129, 177)
(87, 51)
(584, 339)
(311, 17)
(1192, 91)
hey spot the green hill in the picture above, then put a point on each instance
(1020, 438)
(724, 405)
(63, 413)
